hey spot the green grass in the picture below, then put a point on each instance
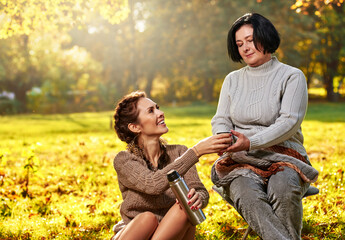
(74, 192)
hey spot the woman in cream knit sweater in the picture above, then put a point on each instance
(149, 209)
(263, 104)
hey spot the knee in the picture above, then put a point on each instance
(148, 218)
(286, 187)
(245, 188)
(286, 193)
(245, 191)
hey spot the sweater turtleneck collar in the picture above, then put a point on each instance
(264, 68)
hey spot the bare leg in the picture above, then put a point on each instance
(140, 228)
(190, 234)
(175, 226)
(117, 235)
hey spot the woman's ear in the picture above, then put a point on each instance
(134, 128)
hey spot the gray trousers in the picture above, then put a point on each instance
(273, 211)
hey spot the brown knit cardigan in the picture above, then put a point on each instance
(147, 190)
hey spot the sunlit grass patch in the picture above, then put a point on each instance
(74, 193)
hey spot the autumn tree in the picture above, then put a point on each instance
(85, 54)
(25, 25)
(329, 18)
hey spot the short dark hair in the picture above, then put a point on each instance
(264, 33)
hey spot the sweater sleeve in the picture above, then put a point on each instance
(221, 122)
(293, 108)
(133, 174)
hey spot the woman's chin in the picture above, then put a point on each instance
(167, 130)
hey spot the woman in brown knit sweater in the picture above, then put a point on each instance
(149, 209)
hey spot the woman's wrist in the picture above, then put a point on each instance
(196, 151)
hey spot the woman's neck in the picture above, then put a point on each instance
(152, 149)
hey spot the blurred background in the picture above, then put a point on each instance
(60, 56)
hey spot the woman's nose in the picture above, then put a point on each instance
(245, 47)
(160, 112)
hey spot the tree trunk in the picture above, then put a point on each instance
(208, 90)
(329, 88)
(330, 73)
(19, 88)
(148, 87)
(133, 78)
(333, 47)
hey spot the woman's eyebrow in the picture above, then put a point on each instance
(246, 37)
(151, 107)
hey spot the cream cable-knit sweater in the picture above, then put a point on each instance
(146, 190)
(266, 103)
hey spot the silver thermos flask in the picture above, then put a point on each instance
(180, 189)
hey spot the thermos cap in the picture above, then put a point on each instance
(172, 175)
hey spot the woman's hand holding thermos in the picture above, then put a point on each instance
(181, 191)
(194, 200)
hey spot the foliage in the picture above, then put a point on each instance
(3, 161)
(76, 194)
(31, 167)
(329, 51)
(72, 80)
(21, 17)
(33, 54)
(73, 55)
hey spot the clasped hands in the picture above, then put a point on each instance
(221, 143)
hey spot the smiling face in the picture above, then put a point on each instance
(246, 47)
(150, 120)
